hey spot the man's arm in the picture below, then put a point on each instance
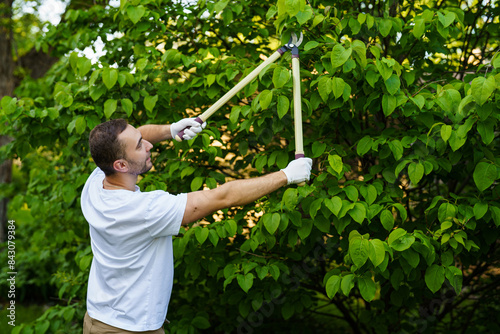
(154, 133)
(241, 192)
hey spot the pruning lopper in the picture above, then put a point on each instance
(292, 46)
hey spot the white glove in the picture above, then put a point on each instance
(189, 133)
(299, 170)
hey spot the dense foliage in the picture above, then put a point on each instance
(397, 229)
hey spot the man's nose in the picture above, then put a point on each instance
(149, 146)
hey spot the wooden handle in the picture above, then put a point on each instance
(239, 86)
(297, 111)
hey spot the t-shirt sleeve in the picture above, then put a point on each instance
(165, 213)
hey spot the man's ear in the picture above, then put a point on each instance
(121, 166)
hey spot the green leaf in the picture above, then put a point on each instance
(265, 99)
(367, 288)
(487, 131)
(110, 107)
(388, 104)
(332, 286)
(446, 132)
(318, 149)
(396, 235)
(364, 145)
(338, 85)
(392, 84)
(434, 277)
(496, 61)
(305, 230)
(369, 193)
(310, 45)
(214, 237)
(80, 125)
(358, 212)
(466, 100)
(418, 28)
(456, 141)
(358, 250)
(372, 78)
(455, 277)
(419, 101)
(340, 55)
(495, 214)
(262, 272)
(480, 209)
(449, 100)
(41, 327)
(396, 148)
(109, 77)
(293, 7)
(446, 211)
(280, 76)
(84, 65)
(272, 222)
(352, 193)
(200, 322)
(447, 19)
(415, 172)
(197, 183)
(314, 207)
(127, 106)
(376, 252)
(97, 91)
(387, 219)
(385, 27)
(333, 204)
(135, 13)
(324, 87)
(283, 106)
(65, 99)
(347, 284)
(9, 104)
(383, 69)
(336, 163)
(359, 49)
(403, 243)
(171, 58)
(150, 102)
(245, 281)
(290, 198)
(482, 88)
(141, 64)
(411, 257)
(231, 227)
(484, 175)
(402, 211)
(201, 234)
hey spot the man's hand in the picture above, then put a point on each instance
(189, 133)
(298, 170)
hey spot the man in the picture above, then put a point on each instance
(131, 275)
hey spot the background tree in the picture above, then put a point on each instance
(397, 230)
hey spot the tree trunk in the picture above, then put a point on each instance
(6, 88)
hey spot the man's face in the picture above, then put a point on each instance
(137, 151)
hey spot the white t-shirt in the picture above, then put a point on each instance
(132, 272)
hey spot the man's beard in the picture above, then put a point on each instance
(138, 168)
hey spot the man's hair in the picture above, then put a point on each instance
(105, 147)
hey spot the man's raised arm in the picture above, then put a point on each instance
(155, 133)
(241, 192)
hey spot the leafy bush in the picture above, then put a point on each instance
(397, 229)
